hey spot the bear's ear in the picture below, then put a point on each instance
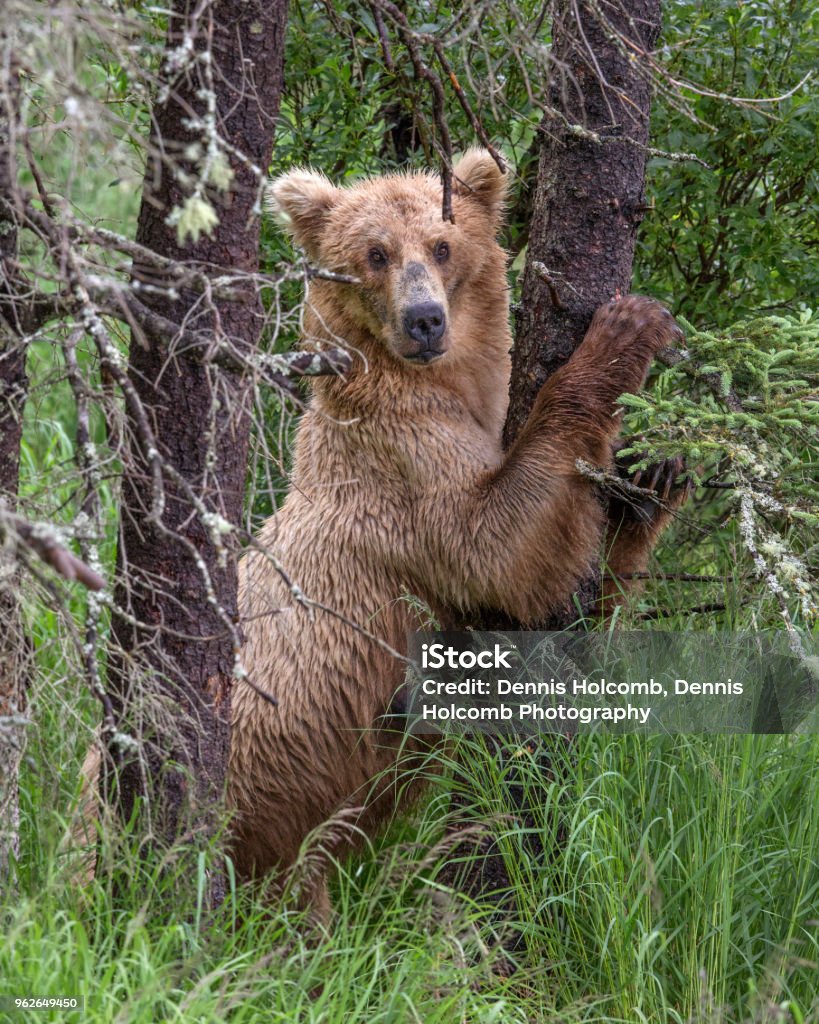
(302, 199)
(477, 177)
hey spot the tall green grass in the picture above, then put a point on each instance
(676, 879)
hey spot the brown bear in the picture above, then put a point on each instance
(400, 486)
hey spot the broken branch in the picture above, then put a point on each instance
(42, 539)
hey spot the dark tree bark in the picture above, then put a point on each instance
(201, 423)
(13, 390)
(590, 197)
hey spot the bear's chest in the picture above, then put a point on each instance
(426, 455)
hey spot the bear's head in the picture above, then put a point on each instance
(413, 267)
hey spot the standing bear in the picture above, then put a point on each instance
(401, 486)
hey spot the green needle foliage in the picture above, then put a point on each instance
(742, 407)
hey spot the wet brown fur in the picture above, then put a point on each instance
(400, 486)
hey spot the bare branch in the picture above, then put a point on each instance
(43, 539)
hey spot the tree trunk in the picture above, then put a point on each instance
(588, 203)
(172, 673)
(589, 198)
(13, 390)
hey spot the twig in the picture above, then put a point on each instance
(679, 577)
(748, 532)
(90, 515)
(42, 539)
(741, 100)
(697, 609)
(614, 484)
(330, 275)
(382, 35)
(478, 128)
(718, 485)
(425, 73)
(115, 299)
(542, 272)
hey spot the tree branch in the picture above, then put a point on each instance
(42, 539)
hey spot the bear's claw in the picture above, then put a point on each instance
(669, 479)
(634, 319)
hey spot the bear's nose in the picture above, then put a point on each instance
(425, 322)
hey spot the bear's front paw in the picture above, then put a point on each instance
(633, 325)
(670, 484)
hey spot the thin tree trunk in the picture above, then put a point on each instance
(589, 198)
(13, 390)
(201, 421)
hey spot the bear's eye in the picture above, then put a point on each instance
(442, 252)
(377, 258)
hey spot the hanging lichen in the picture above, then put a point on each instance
(742, 405)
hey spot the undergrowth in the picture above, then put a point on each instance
(679, 882)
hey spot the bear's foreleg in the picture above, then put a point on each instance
(533, 526)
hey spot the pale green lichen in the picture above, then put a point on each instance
(194, 218)
(220, 173)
